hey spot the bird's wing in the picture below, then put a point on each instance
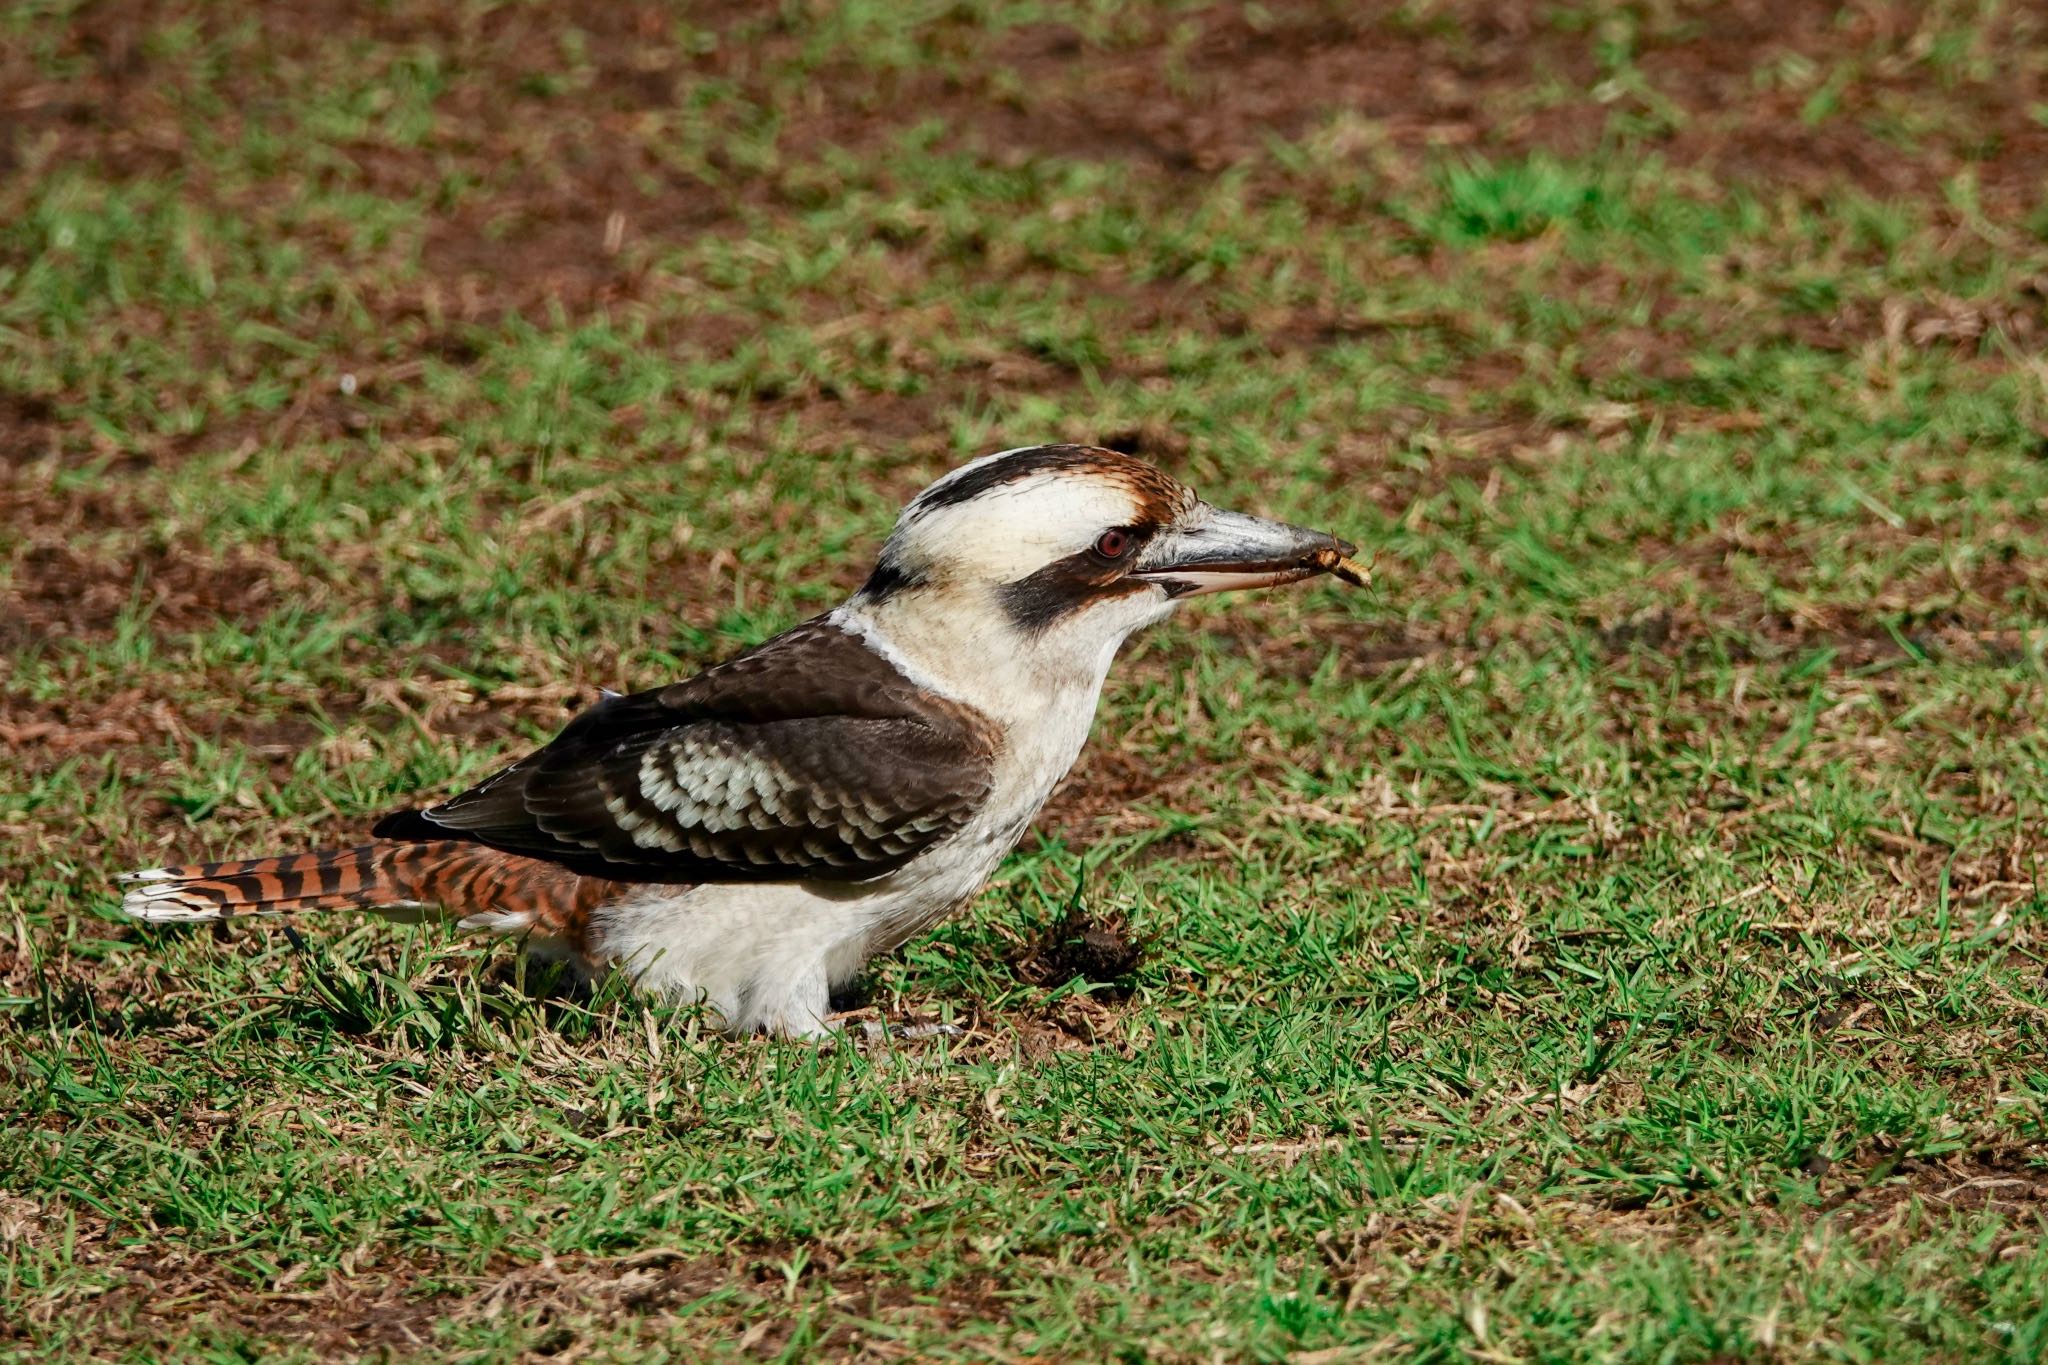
(808, 758)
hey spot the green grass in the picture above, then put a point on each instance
(1618, 935)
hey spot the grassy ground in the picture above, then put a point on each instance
(1618, 936)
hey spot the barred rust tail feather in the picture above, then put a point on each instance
(495, 889)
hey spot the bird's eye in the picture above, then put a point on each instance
(1113, 544)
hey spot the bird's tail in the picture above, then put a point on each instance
(487, 888)
(372, 876)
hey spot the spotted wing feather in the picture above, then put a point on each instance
(809, 758)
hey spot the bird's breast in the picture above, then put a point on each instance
(1032, 759)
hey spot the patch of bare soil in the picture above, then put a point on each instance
(377, 1312)
(1749, 126)
(59, 592)
(1201, 106)
(1205, 91)
(2013, 1183)
(29, 426)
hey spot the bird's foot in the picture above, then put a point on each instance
(877, 1030)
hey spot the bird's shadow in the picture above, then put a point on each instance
(504, 994)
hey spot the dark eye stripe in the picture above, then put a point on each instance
(1063, 586)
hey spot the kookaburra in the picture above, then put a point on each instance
(750, 837)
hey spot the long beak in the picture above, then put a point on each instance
(1211, 550)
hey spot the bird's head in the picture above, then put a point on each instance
(1068, 549)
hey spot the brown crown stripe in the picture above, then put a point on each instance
(1160, 496)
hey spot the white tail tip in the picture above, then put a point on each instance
(159, 897)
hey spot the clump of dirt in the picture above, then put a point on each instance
(1100, 949)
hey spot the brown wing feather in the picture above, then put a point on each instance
(809, 757)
